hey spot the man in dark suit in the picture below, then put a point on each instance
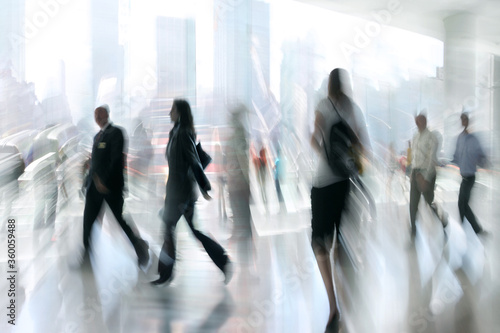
(106, 182)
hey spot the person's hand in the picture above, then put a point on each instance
(423, 185)
(206, 195)
(101, 188)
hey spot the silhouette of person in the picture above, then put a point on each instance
(185, 171)
(106, 182)
(330, 189)
(238, 185)
(423, 175)
(278, 177)
(262, 173)
(468, 155)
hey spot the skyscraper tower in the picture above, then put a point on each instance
(176, 51)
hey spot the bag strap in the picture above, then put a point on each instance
(336, 109)
(354, 137)
(341, 119)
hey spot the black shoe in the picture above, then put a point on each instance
(162, 280)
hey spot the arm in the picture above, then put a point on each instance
(362, 131)
(193, 161)
(317, 135)
(481, 159)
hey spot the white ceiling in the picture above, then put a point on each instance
(426, 16)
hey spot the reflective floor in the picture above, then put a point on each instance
(445, 282)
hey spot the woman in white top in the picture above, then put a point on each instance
(330, 190)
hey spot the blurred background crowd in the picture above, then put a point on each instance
(253, 72)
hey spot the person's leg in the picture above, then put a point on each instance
(239, 201)
(429, 199)
(93, 203)
(321, 249)
(340, 193)
(326, 205)
(214, 250)
(429, 192)
(115, 203)
(414, 200)
(463, 198)
(171, 215)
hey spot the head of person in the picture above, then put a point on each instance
(339, 83)
(464, 117)
(181, 114)
(101, 115)
(421, 122)
(238, 115)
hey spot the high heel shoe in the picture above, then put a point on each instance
(162, 280)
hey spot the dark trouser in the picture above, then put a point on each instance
(327, 205)
(463, 202)
(93, 204)
(171, 215)
(415, 194)
(239, 200)
(278, 190)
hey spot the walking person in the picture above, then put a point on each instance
(330, 190)
(238, 186)
(185, 171)
(423, 175)
(106, 182)
(468, 155)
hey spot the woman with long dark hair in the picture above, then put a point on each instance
(330, 189)
(185, 171)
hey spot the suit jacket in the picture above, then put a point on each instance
(185, 169)
(108, 158)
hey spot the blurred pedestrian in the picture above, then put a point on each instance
(468, 155)
(423, 175)
(185, 171)
(106, 182)
(262, 173)
(278, 178)
(238, 185)
(330, 190)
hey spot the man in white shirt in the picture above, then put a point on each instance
(423, 175)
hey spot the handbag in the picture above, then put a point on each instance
(205, 159)
(344, 153)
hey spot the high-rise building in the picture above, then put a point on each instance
(12, 40)
(176, 52)
(107, 54)
(241, 55)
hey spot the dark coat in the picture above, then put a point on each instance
(185, 169)
(108, 158)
